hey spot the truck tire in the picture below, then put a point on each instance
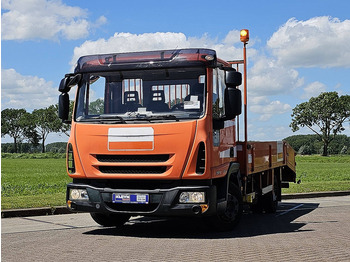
(110, 220)
(228, 219)
(267, 203)
(270, 200)
(257, 207)
(270, 203)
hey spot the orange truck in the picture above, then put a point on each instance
(155, 134)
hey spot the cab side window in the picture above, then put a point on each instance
(218, 93)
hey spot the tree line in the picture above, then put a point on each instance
(312, 144)
(30, 130)
(324, 115)
(23, 148)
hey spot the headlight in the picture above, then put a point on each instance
(192, 197)
(78, 194)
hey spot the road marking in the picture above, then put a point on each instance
(48, 222)
(285, 212)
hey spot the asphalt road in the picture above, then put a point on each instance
(316, 229)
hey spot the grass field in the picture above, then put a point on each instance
(319, 173)
(33, 183)
(42, 182)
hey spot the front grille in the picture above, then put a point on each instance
(200, 167)
(132, 169)
(132, 158)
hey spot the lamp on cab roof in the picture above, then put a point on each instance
(244, 35)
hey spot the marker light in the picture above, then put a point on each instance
(244, 35)
(209, 57)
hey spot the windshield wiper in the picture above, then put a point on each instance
(165, 117)
(115, 119)
(104, 118)
(156, 117)
(111, 117)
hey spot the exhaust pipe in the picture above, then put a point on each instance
(196, 210)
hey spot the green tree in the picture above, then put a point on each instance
(340, 143)
(30, 131)
(17, 123)
(344, 150)
(96, 107)
(57, 147)
(65, 127)
(46, 121)
(324, 115)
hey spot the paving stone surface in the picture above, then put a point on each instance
(315, 229)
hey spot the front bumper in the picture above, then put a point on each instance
(162, 202)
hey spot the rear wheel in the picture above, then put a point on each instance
(270, 203)
(110, 220)
(270, 200)
(230, 217)
(257, 207)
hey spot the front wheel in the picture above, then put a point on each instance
(230, 217)
(110, 220)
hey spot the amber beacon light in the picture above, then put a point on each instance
(244, 35)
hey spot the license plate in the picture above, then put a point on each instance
(129, 198)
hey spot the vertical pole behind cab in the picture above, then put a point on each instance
(245, 142)
(245, 150)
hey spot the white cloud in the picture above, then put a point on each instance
(317, 42)
(257, 100)
(100, 21)
(266, 77)
(282, 132)
(127, 42)
(42, 19)
(313, 90)
(29, 92)
(269, 131)
(268, 109)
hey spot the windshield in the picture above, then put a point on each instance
(141, 95)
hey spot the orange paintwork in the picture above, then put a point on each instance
(174, 139)
(263, 156)
(130, 146)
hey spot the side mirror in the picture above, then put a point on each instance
(64, 88)
(63, 106)
(74, 80)
(68, 82)
(233, 102)
(233, 78)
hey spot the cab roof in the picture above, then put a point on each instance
(147, 60)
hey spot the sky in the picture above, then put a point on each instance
(297, 48)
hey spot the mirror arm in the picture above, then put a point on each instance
(218, 123)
